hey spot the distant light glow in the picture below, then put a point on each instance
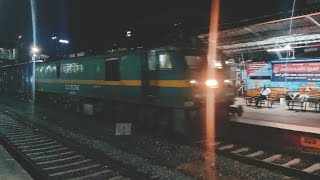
(227, 81)
(193, 81)
(64, 41)
(35, 49)
(54, 37)
(20, 37)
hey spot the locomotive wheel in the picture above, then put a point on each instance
(146, 117)
(67, 106)
(163, 120)
(151, 118)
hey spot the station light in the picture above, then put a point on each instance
(63, 41)
(285, 48)
(193, 81)
(20, 37)
(54, 37)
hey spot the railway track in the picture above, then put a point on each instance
(290, 164)
(47, 157)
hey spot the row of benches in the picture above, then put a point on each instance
(277, 93)
(253, 94)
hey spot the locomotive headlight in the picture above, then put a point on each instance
(212, 83)
(193, 81)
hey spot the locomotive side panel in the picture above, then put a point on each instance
(89, 77)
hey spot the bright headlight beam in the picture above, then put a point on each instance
(211, 83)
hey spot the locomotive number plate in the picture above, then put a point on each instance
(72, 87)
(310, 142)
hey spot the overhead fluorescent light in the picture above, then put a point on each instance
(64, 41)
(286, 48)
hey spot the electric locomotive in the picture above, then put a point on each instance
(162, 88)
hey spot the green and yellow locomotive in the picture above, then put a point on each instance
(162, 88)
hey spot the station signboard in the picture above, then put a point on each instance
(296, 72)
(257, 68)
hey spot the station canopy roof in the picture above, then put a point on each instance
(304, 32)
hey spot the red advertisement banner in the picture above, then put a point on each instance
(313, 67)
(308, 72)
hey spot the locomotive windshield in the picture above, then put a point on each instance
(196, 66)
(193, 61)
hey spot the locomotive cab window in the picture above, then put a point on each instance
(152, 62)
(112, 69)
(165, 61)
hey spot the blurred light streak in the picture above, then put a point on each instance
(34, 21)
(210, 104)
(34, 32)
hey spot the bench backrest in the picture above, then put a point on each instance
(313, 94)
(281, 92)
(274, 94)
(253, 92)
(256, 92)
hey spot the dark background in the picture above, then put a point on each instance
(103, 23)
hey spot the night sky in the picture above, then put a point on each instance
(102, 23)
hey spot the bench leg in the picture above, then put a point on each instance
(290, 106)
(269, 103)
(248, 102)
(303, 106)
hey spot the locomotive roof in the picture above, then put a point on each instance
(132, 51)
(115, 53)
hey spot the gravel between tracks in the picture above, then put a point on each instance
(141, 151)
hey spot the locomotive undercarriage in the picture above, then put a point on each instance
(188, 121)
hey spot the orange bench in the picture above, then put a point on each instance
(253, 94)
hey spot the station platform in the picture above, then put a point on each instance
(279, 116)
(10, 168)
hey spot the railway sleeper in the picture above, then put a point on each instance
(66, 167)
(48, 152)
(84, 171)
(53, 156)
(61, 161)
